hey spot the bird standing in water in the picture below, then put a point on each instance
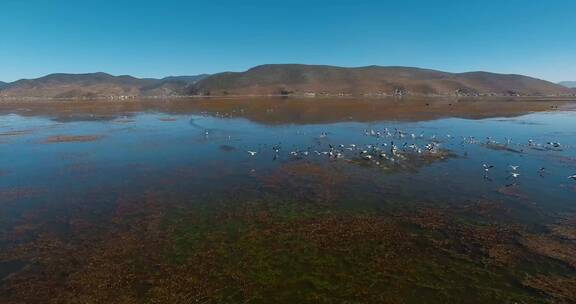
(542, 172)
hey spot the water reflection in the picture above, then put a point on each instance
(291, 110)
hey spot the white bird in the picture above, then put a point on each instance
(487, 167)
(366, 156)
(572, 177)
(514, 168)
(514, 174)
(252, 153)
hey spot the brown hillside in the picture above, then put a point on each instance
(372, 80)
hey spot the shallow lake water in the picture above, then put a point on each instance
(288, 201)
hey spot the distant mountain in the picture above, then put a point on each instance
(96, 85)
(186, 79)
(171, 86)
(3, 84)
(288, 79)
(568, 84)
(371, 80)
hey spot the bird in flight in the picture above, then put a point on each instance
(487, 167)
(514, 175)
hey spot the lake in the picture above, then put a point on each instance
(285, 200)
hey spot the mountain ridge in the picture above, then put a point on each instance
(96, 85)
(371, 80)
(288, 79)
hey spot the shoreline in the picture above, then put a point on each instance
(286, 110)
(135, 99)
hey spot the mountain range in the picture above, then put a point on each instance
(371, 80)
(288, 79)
(96, 85)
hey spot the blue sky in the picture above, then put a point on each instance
(169, 37)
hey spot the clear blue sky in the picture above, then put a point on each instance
(170, 37)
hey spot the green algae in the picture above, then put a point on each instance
(344, 257)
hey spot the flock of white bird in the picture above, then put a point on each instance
(391, 152)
